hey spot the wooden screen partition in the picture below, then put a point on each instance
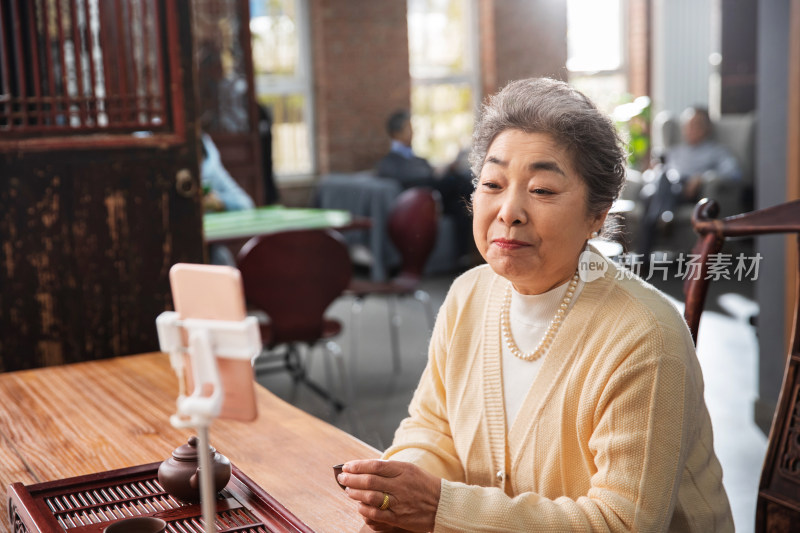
(81, 65)
(99, 181)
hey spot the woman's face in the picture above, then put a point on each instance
(530, 220)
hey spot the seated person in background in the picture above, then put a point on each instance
(220, 193)
(400, 163)
(220, 190)
(681, 172)
(454, 183)
(699, 156)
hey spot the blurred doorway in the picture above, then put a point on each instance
(228, 110)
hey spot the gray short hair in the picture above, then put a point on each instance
(543, 105)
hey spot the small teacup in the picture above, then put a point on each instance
(337, 469)
(139, 524)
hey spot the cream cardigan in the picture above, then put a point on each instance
(613, 435)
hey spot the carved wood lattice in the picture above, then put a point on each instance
(15, 520)
(85, 65)
(789, 465)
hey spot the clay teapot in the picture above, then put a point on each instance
(180, 474)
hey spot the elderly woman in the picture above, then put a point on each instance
(555, 398)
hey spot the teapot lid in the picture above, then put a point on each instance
(188, 452)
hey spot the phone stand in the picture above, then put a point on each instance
(207, 339)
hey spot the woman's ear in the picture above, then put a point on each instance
(599, 220)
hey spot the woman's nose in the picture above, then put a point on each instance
(512, 210)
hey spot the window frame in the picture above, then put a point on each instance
(624, 61)
(472, 76)
(624, 66)
(303, 83)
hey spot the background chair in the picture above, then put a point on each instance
(778, 504)
(412, 227)
(369, 195)
(293, 277)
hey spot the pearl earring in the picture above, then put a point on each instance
(595, 234)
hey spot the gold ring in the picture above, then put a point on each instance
(385, 504)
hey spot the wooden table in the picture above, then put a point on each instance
(70, 420)
(235, 225)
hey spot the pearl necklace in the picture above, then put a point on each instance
(552, 329)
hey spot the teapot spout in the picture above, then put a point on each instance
(194, 480)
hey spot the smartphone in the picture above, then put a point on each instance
(215, 293)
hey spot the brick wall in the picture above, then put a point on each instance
(360, 66)
(488, 65)
(360, 61)
(639, 47)
(530, 39)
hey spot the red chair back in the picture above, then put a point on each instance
(413, 225)
(293, 277)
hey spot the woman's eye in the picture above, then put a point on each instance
(490, 185)
(542, 191)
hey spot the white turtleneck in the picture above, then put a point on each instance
(530, 315)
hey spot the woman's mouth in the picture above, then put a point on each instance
(509, 244)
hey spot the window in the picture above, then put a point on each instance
(444, 76)
(282, 71)
(595, 53)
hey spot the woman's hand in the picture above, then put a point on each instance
(413, 494)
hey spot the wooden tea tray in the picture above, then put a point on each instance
(88, 504)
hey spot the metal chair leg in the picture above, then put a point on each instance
(335, 352)
(394, 332)
(329, 369)
(346, 387)
(355, 315)
(293, 364)
(425, 299)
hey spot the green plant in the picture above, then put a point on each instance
(633, 121)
